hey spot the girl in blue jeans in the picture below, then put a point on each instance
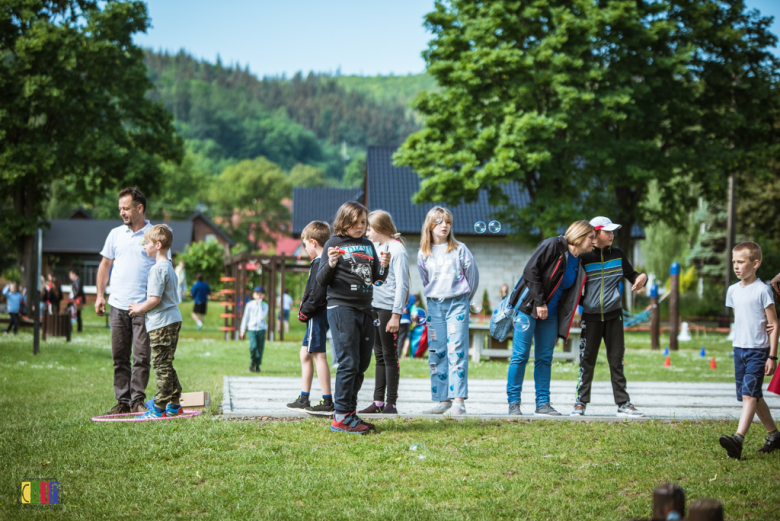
(450, 279)
(546, 297)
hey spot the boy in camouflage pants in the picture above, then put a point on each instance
(163, 321)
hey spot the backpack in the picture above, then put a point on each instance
(503, 319)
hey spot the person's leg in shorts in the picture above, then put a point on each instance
(316, 350)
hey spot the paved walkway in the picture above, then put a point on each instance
(249, 396)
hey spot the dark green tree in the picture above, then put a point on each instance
(306, 175)
(584, 103)
(73, 109)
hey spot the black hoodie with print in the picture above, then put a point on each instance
(351, 281)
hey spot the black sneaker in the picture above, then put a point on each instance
(252, 368)
(733, 446)
(323, 408)
(299, 404)
(772, 443)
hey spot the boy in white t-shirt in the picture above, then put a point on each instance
(755, 351)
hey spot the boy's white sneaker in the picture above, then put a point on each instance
(629, 411)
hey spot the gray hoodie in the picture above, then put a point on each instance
(393, 293)
(448, 275)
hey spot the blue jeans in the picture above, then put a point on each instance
(448, 348)
(544, 333)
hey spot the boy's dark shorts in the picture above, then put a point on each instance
(199, 307)
(749, 367)
(316, 333)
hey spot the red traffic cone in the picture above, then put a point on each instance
(713, 365)
(668, 361)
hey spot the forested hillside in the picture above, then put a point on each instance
(275, 133)
(288, 121)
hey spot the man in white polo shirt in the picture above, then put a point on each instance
(126, 262)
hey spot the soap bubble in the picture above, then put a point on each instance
(428, 319)
(480, 227)
(476, 306)
(378, 283)
(494, 226)
(458, 274)
(416, 446)
(422, 317)
(377, 323)
(437, 220)
(522, 322)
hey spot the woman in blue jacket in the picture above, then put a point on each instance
(546, 297)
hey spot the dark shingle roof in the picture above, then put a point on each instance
(89, 236)
(319, 203)
(391, 188)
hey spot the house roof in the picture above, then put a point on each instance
(87, 236)
(217, 229)
(319, 203)
(391, 188)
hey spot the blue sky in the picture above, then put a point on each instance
(283, 37)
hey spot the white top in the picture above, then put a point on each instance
(286, 301)
(448, 275)
(392, 295)
(163, 283)
(130, 271)
(749, 303)
(254, 316)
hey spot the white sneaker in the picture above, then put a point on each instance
(629, 411)
(458, 409)
(441, 408)
(200, 325)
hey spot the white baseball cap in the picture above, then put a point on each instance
(602, 223)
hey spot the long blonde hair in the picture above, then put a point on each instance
(382, 222)
(434, 217)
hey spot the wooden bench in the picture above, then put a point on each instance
(483, 345)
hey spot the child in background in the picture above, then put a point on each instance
(314, 313)
(450, 280)
(349, 266)
(13, 306)
(404, 327)
(200, 295)
(253, 322)
(755, 351)
(389, 301)
(163, 321)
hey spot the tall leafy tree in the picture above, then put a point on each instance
(73, 108)
(249, 198)
(583, 102)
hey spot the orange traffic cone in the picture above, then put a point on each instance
(713, 365)
(668, 361)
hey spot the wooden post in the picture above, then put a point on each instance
(674, 306)
(655, 318)
(36, 296)
(730, 233)
(272, 298)
(706, 509)
(281, 299)
(668, 498)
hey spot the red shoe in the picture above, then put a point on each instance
(370, 425)
(351, 424)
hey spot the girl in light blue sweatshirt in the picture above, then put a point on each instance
(450, 280)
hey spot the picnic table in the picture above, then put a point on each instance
(482, 344)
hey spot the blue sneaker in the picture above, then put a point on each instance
(173, 410)
(152, 413)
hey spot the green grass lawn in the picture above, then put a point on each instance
(216, 469)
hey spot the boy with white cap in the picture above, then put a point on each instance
(602, 316)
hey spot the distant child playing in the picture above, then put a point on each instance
(450, 280)
(314, 313)
(389, 301)
(755, 351)
(253, 323)
(163, 321)
(349, 267)
(13, 305)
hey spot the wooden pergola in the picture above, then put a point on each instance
(272, 270)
